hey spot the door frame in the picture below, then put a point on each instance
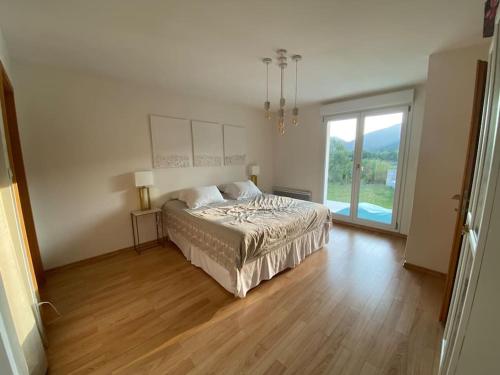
(19, 180)
(480, 92)
(360, 116)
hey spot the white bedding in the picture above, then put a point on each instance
(239, 282)
(283, 231)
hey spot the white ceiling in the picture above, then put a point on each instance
(214, 47)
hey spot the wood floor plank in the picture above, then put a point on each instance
(350, 308)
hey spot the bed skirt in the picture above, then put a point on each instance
(239, 282)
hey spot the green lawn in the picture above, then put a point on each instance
(378, 194)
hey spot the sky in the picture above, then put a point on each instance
(346, 129)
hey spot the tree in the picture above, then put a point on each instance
(340, 162)
(376, 164)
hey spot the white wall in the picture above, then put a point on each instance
(446, 123)
(299, 156)
(83, 135)
(3, 53)
(415, 128)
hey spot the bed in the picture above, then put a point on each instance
(243, 242)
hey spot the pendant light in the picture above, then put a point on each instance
(282, 63)
(267, 103)
(295, 111)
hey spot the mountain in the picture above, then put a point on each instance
(382, 140)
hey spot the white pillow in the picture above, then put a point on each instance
(200, 196)
(240, 190)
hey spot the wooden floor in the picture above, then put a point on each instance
(348, 309)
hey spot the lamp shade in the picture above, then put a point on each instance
(254, 170)
(144, 178)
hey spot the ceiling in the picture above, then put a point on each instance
(213, 48)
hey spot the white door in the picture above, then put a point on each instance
(476, 226)
(364, 163)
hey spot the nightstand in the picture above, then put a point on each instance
(157, 213)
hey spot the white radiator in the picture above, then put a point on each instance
(304, 195)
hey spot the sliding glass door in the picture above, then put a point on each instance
(364, 166)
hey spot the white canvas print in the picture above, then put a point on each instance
(207, 144)
(235, 150)
(171, 141)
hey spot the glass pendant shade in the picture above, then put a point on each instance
(281, 121)
(281, 126)
(267, 110)
(295, 116)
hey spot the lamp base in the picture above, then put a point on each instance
(253, 178)
(144, 198)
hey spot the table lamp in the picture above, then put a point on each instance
(253, 171)
(143, 180)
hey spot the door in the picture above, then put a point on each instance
(364, 164)
(19, 181)
(464, 196)
(477, 221)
